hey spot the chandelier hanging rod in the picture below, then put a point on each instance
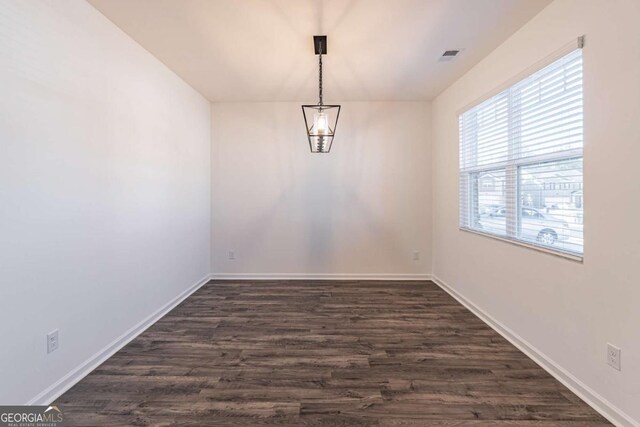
(320, 74)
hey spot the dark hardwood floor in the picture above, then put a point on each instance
(299, 353)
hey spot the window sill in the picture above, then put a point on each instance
(565, 255)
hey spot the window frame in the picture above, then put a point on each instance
(512, 167)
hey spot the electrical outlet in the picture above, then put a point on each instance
(613, 356)
(232, 255)
(52, 341)
(416, 255)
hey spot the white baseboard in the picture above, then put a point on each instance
(54, 391)
(317, 276)
(597, 402)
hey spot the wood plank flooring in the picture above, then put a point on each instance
(328, 353)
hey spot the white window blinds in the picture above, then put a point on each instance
(521, 160)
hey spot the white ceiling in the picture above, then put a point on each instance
(262, 50)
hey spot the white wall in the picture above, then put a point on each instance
(567, 310)
(362, 209)
(104, 188)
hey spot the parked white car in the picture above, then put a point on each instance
(535, 226)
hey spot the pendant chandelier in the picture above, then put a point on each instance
(320, 119)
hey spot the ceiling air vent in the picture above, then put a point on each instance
(449, 55)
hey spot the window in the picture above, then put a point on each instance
(521, 160)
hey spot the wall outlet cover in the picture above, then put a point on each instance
(613, 356)
(52, 341)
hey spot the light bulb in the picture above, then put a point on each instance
(321, 123)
